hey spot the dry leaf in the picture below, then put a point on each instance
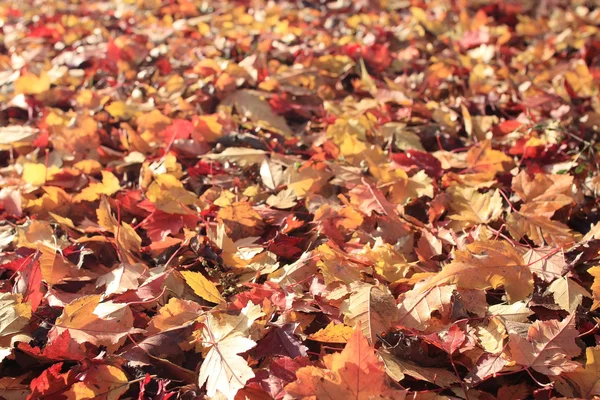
(372, 308)
(202, 286)
(549, 347)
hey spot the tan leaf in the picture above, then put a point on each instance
(491, 336)
(587, 378)
(542, 186)
(487, 264)
(56, 268)
(546, 262)
(372, 307)
(253, 106)
(482, 158)
(283, 200)
(174, 314)
(355, 373)
(241, 220)
(14, 314)
(549, 347)
(101, 382)
(240, 155)
(13, 134)
(517, 312)
(396, 368)
(567, 293)
(121, 279)
(417, 306)
(540, 230)
(271, 174)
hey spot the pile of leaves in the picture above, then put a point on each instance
(299, 199)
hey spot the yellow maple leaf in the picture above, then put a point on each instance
(472, 207)
(121, 110)
(333, 333)
(109, 185)
(29, 83)
(169, 195)
(202, 286)
(34, 174)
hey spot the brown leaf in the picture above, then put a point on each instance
(241, 220)
(549, 347)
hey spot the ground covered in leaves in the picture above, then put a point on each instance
(296, 200)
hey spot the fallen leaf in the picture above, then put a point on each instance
(548, 348)
(224, 337)
(202, 286)
(354, 373)
(587, 378)
(371, 308)
(333, 333)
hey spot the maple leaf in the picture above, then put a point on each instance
(486, 264)
(29, 83)
(548, 348)
(355, 373)
(546, 263)
(482, 158)
(174, 314)
(370, 307)
(88, 320)
(567, 293)
(223, 338)
(370, 199)
(159, 181)
(168, 195)
(586, 378)
(241, 220)
(335, 267)
(595, 272)
(240, 155)
(51, 383)
(14, 315)
(417, 306)
(251, 105)
(62, 348)
(491, 336)
(333, 333)
(99, 381)
(397, 368)
(543, 187)
(540, 229)
(271, 174)
(202, 286)
(109, 185)
(473, 207)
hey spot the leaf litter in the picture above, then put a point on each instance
(299, 200)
